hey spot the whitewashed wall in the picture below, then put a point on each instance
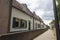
(42, 25)
(21, 15)
(45, 26)
(38, 22)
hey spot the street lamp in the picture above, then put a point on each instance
(56, 19)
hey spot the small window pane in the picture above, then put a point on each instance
(15, 22)
(23, 23)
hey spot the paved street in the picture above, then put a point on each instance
(48, 35)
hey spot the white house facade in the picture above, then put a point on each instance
(23, 19)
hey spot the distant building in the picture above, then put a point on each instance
(52, 24)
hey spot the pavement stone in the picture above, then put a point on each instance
(48, 35)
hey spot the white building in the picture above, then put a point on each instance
(22, 18)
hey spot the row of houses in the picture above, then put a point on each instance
(17, 17)
(23, 19)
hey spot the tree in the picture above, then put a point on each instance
(58, 9)
(48, 27)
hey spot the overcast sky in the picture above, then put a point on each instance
(43, 8)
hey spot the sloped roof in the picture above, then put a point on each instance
(22, 7)
(37, 17)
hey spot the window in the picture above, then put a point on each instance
(19, 23)
(38, 25)
(23, 23)
(29, 25)
(15, 22)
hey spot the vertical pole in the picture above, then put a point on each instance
(56, 20)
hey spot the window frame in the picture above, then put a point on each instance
(19, 24)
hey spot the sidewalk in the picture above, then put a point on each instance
(48, 35)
